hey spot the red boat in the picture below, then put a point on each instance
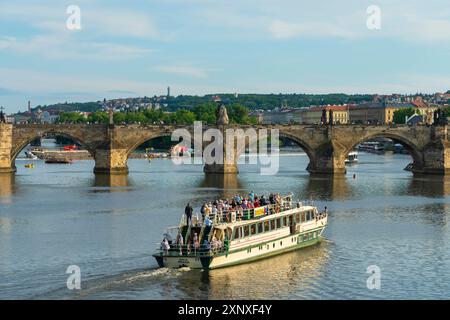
(70, 148)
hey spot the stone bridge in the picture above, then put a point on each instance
(326, 146)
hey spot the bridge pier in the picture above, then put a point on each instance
(6, 158)
(109, 160)
(327, 159)
(436, 154)
(228, 163)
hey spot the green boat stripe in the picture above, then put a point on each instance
(270, 254)
(269, 241)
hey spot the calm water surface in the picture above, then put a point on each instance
(54, 216)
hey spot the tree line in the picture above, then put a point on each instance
(205, 112)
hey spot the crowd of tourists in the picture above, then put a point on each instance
(222, 209)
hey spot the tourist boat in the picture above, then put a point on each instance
(30, 155)
(259, 233)
(54, 159)
(371, 146)
(352, 157)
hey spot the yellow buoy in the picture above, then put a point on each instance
(29, 165)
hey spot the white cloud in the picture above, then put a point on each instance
(183, 71)
(65, 47)
(286, 30)
(51, 39)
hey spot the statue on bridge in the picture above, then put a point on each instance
(439, 117)
(2, 116)
(323, 119)
(221, 115)
(111, 116)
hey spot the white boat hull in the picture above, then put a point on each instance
(277, 243)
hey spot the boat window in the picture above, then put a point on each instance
(297, 217)
(246, 231)
(260, 227)
(279, 223)
(272, 224)
(266, 226)
(238, 232)
(285, 221)
(253, 229)
(303, 216)
(290, 220)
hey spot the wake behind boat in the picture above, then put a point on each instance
(236, 232)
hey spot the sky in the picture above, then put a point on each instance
(138, 48)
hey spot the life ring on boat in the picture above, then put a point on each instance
(233, 216)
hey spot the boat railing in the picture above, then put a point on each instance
(321, 215)
(192, 250)
(239, 213)
(183, 221)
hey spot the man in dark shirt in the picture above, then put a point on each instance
(188, 212)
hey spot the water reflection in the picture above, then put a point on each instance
(7, 187)
(227, 185)
(111, 182)
(300, 269)
(429, 186)
(327, 187)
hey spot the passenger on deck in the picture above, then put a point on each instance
(202, 211)
(208, 209)
(206, 245)
(196, 243)
(244, 204)
(271, 198)
(188, 212)
(262, 201)
(208, 225)
(256, 203)
(180, 243)
(165, 245)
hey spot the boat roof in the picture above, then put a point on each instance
(224, 225)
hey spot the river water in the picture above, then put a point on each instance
(54, 216)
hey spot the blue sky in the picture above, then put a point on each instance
(137, 48)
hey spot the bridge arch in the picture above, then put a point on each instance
(154, 135)
(307, 148)
(413, 149)
(25, 139)
(20, 145)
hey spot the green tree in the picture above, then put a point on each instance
(184, 117)
(71, 117)
(206, 112)
(401, 114)
(447, 112)
(154, 116)
(239, 114)
(98, 117)
(119, 117)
